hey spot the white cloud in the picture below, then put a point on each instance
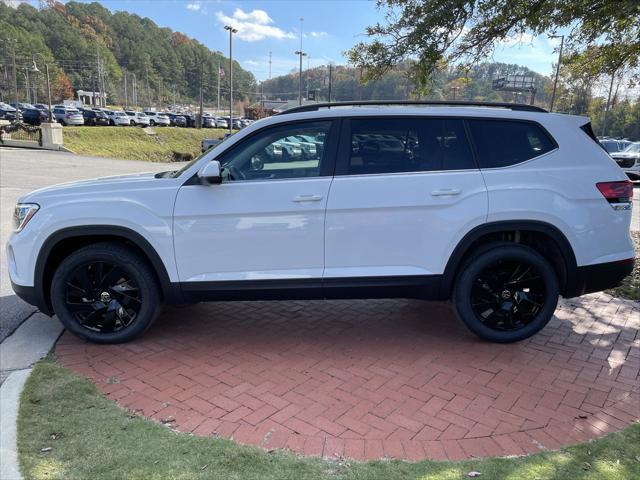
(194, 7)
(14, 3)
(253, 26)
(318, 34)
(252, 63)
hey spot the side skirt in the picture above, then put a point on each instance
(425, 287)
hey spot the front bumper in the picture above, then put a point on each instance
(33, 296)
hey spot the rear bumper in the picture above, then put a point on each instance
(601, 276)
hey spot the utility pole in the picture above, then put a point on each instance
(606, 110)
(301, 54)
(15, 83)
(126, 95)
(231, 32)
(46, 68)
(330, 80)
(201, 96)
(270, 65)
(555, 81)
(218, 109)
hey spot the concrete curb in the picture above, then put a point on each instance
(31, 341)
(10, 400)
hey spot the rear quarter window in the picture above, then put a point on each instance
(502, 143)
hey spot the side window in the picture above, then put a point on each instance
(290, 151)
(395, 145)
(501, 143)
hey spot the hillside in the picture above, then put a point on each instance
(72, 36)
(470, 84)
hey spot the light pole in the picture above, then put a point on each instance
(231, 32)
(555, 81)
(301, 54)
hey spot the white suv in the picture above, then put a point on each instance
(479, 204)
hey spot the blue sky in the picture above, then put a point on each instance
(329, 28)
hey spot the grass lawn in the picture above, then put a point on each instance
(630, 287)
(89, 437)
(133, 143)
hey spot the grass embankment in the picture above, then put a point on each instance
(131, 143)
(630, 287)
(86, 436)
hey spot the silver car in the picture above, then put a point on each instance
(67, 115)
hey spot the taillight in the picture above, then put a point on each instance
(618, 194)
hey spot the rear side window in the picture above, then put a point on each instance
(396, 145)
(501, 143)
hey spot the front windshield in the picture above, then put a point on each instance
(633, 148)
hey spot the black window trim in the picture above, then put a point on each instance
(474, 148)
(327, 167)
(343, 157)
(342, 160)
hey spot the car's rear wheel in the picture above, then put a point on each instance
(506, 293)
(152, 123)
(105, 293)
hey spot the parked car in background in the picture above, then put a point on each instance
(177, 120)
(208, 121)
(629, 160)
(611, 145)
(221, 122)
(118, 118)
(7, 112)
(158, 118)
(42, 107)
(94, 117)
(190, 119)
(67, 115)
(33, 116)
(22, 105)
(138, 118)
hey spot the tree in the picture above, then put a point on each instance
(62, 88)
(468, 30)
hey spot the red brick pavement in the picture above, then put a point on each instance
(378, 378)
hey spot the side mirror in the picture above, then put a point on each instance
(210, 173)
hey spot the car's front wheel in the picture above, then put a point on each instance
(105, 293)
(506, 293)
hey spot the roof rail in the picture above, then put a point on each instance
(439, 103)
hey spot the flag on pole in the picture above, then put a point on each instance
(221, 72)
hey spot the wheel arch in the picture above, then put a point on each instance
(62, 242)
(560, 252)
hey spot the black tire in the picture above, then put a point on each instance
(112, 123)
(152, 123)
(132, 123)
(119, 287)
(506, 292)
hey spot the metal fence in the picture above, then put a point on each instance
(20, 132)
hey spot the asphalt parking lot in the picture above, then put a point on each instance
(22, 171)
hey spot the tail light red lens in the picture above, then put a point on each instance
(616, 191)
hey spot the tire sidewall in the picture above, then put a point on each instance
(474, 267)
(133, 266)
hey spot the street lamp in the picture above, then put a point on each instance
(231, 32)
(301, 54)
(555, 82)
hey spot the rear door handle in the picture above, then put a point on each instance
(307, 198)
(446, 191)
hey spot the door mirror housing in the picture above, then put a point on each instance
(210, 173)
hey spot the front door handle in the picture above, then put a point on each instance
(307, 198)
(445, 192)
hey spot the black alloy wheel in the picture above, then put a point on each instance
(508, 295)
(102, 297)
(105, 293)
(506, 292)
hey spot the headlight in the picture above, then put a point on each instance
(22, 214)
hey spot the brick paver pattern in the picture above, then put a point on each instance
(375, 378)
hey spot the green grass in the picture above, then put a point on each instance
(168, 143)
(92, 438)
(630, 286)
